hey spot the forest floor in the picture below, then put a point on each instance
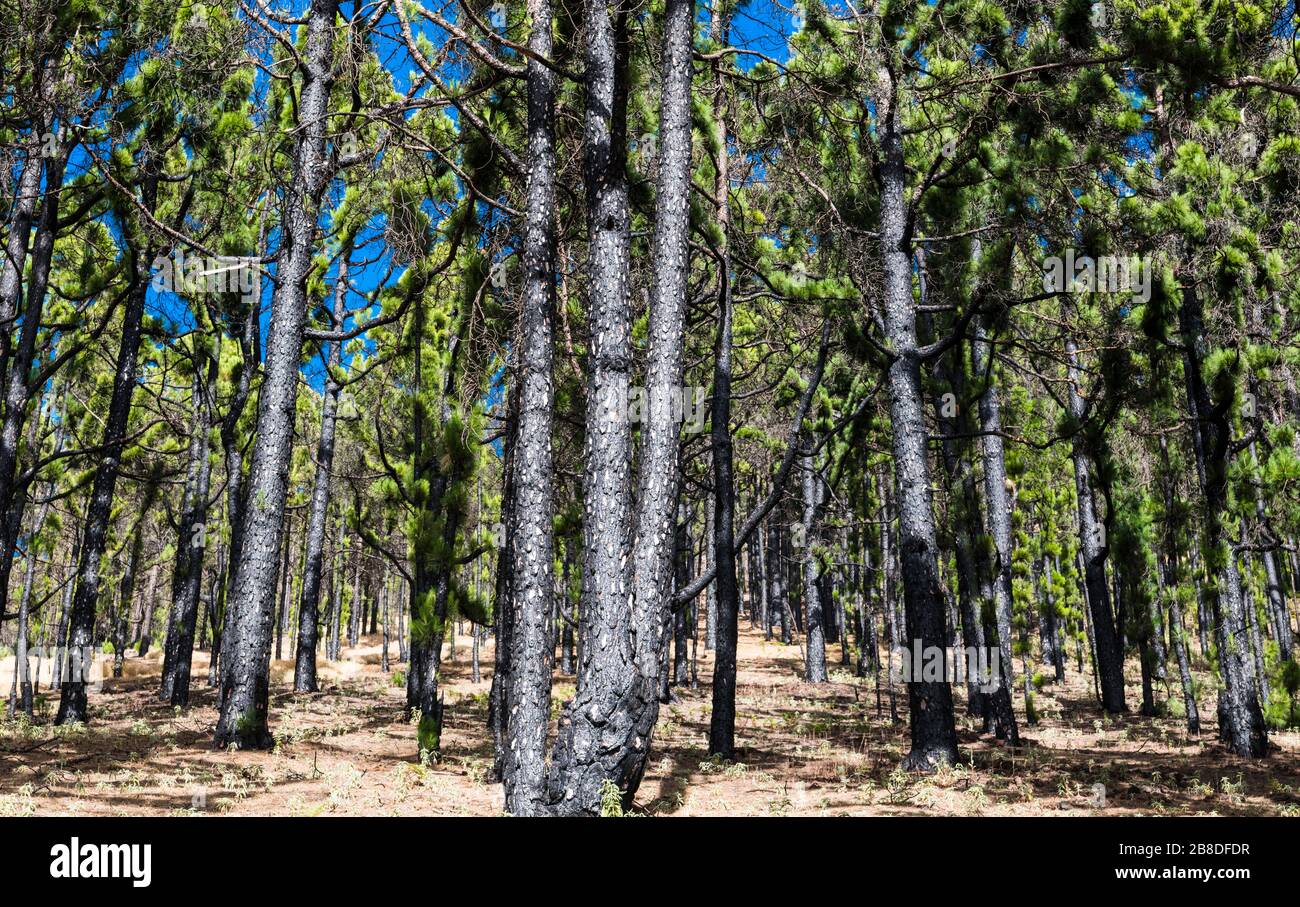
(828, 749)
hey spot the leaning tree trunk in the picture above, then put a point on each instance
(245, 675)
(72, 702)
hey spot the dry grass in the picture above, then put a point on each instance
(828, 749)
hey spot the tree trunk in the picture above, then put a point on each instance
(304, 671)
(245, 676)
(604, 737)
(72, 702)
(191, 540)
(933, 732)
(999, 522)
(1107, 654)
(815, 637)
(18, 362)
(1241, 720)
(532, 554)
(726, 597)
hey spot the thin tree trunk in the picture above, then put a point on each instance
(304, 671)
(1107, 654)
(191, 539)
(815, 635)
(72, 702)
(999, 523)
(725, 599)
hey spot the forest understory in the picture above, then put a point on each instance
(803, 750)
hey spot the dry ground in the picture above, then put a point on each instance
(828, 749)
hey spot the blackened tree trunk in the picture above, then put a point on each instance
(777, 607)
(22, 676)
(726, 595)
(356, 603)
(337, 581)
(589, 751)
(999, 523)
(681, 628)
(1241, 720)
(1168, 587)
(532, 555)
(953, 420)
(146, 629)
(815, 636)
(1054, 646)
(232, 450)
(385, 594)
(503, 611)
(758, 581)
(934, 736)
(711, 590)
(605, 731)
(217, 606)
(1108, 656)
(245, 676)
(16, 362)
(304, 669)
(282, 600)
(191, 539)
(1280, 617)
(65, 614)
(72, 702)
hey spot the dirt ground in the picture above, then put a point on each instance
(829, 749)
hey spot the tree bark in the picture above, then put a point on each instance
(72, 702)
(304, 670)
(605, 730)
(1241, 719)
(933, 732)
(245, 676)
(191, 539)
(999, 522)
(1108, 656)
(532, 555)
(814, 616)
